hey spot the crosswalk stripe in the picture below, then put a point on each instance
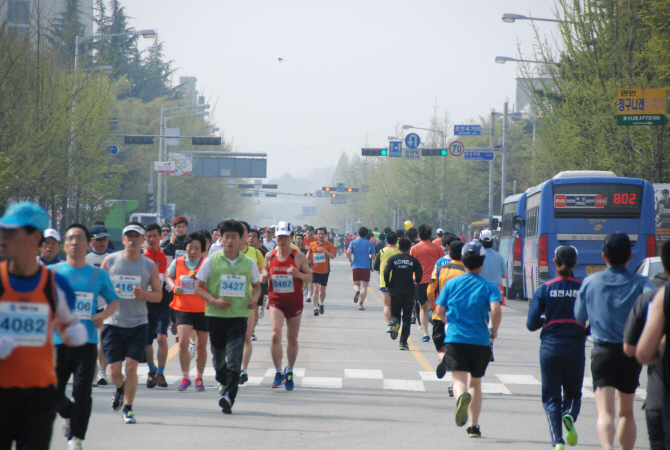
(321, 382)
(362, 373)
(404, 385)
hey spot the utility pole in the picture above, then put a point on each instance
(491, 165)
(503, 184)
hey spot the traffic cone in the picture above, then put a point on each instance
(502, 295)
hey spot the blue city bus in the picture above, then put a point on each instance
(511, 244)
(580, 208)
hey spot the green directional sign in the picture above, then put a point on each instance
(642, 119)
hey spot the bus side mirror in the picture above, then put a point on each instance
(494, 224)
(517, 223)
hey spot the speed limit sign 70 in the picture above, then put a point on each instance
(456, 148)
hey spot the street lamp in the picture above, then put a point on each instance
(504, 59)
(207, 130)
(510, 18)
(394, 138)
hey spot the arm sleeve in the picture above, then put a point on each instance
(442, 298)
(107, 290)
(418, 271)
(535, 310)
(169, 249)
(205, 271)
(580, 305)
(388, 268)
(172, 270)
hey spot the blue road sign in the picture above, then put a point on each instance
(478, 156)
(467, 130)
(113, 149)
(395, 149)
(412, 140)
(340, 187)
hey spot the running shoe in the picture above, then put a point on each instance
(160, 381)
(571, 433)
(360, 308)
(403, 346)
(243, 377)
(462, 409)
(321, 308)
(151, 380)
(441, 370)
(129, 417)
(316, 311)
(395, 326)
(185, 382)
(309, 300)
(288, 380)
(357, 296)
(425, 338)
(226, 404)
(413, 320)
(279, 380)
(451, 391)
(173, 329)
(117, 399)
(191, 348)
(389, 328)
(474, 431)
(559, 447)
(102, 380)
(199, 385)
(66, 427)
(253, 335)
(75, 444)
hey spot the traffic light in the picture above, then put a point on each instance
(309, 194)
(150, 201)
(434, 152)
(206, 140)
(269, 186)
(333, 195)
(327, 189)
(374, 152)
(353, 189)
(114, 123)
(142, 140)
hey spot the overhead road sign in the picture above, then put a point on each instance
(641, 101)
(225, 166)
(479, 156)
(434, 152)
(330, 189)
(245, 186)
(412, 141)
(412, 154)
(247, 194)
(267, 194)
(456, 148)
(642, 119)
(338, 200)
(374, 152)
(112, 150)
(395, 149)
(340, 187)
(467, 130)
(365, 188)
(164, 167)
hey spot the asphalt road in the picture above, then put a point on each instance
(354, 389)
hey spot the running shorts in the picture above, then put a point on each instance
(470, 358)
(195, 319)
(320, 278)
(290, 309)
(121, 343)
(159, 320)
(438, 333)
(611, 367)
(421, 293)
(362, 275)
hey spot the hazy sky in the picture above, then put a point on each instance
(352, 70)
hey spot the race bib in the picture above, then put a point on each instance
(233, 286)
(319, 258)
(282, 284)
(126, 284)
(187, 284)
(26, 322)
(83, 307)
(178, 253)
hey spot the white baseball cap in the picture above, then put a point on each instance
(486, 235)
(283, 229)
(51, 233)
(136, 228)
(439, 231)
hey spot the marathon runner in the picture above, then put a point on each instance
(124, 336)
(159, 313)
(189, 309)
(427, 253)
(286, 269)
(382, 258)
(27, 375)
(175, 246)
(307, 241)
(320, 253)
(359, 253)
(89, 284)
(256, 241)
(229, 282)
(50, 248)
(269, 242)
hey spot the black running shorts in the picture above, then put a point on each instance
(611, 367)
(473, 359)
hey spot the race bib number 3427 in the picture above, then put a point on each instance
(26, 322)
(233, 286)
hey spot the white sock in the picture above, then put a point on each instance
(310, 293)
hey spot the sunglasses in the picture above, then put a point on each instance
(166, 231)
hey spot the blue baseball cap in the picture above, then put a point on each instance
(25, 214)
(473, 247)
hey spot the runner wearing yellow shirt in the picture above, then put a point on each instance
(384, 255)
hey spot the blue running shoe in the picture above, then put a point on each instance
(425, 339)
(279, 380)
(288, 382)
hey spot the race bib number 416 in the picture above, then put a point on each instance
(125, 284)
(233, 286)
(26, 322)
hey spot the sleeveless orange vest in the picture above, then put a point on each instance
(186, 302)
(30, 367)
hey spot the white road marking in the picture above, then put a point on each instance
(404, 385)
(297, 372)
(517, 379)
(321, 382)
(430, 376)
(362, 373)
(495, 388)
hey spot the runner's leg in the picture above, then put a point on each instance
(424, 318)
(201, 351)
(475, 389)
(322, 296)
(292, 330)
(627, 430)
(184, 331)
(317, 294)
(605, 425)
(364, 292)
(116, 374)
(162, 350)
(387, 307)
(131, 381)
(248, 346)
(276, 324)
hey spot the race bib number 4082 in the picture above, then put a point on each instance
(26, 322)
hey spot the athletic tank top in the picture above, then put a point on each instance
(29, 317)
(188, 301)
(282, 286)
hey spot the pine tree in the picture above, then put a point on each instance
(64, 30)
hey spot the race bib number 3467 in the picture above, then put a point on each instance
(282, 284)
(26, 322)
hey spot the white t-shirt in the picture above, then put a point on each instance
(269, 245)
(206, 270)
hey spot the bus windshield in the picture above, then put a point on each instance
(597, 201)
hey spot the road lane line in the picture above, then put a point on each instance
(174, 351)
(419, 356)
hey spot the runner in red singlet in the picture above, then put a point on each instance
(285, 270)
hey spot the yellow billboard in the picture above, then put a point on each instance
(641, 101)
